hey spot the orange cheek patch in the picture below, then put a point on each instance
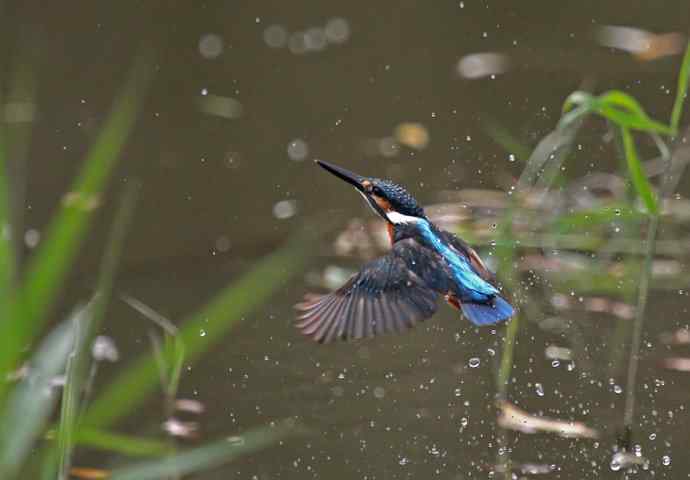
(383, 204)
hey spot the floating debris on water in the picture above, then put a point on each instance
(178, 428)
(514, 418)
(189, 405)
(679, 364)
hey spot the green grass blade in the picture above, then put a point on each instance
(622, 101)
(175, 347)
(29, 407)
(631, 120)
(551, 150)
(625, 111)
(7, 253)
(86, 326)
(506, 139)
(123, 444)
(113, 250)
(579, 99)
(7, 273)
(227, 309)
(617, 106)
(681, 91)
(575, 222)
(206, 457)
(48, 267)
(570, 117)
(637, 175)
(20, 115)
(72, 389)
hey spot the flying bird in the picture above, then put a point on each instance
(401, 288)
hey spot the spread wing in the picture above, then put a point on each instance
(389, 294)
(473, 257)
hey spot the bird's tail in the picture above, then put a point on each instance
(488, 313)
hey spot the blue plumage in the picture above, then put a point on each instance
(394, 292)
(495, 311)
(471, 286)
(480, 300)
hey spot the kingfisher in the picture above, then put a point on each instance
(402, 288)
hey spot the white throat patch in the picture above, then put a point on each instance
(398, 218)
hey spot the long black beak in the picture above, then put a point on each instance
(349, 177)
(358, 182)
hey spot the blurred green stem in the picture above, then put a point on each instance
(506, 255)
(642, 295)
(48, 267)
(86, 327)
(681, 91)
(18, 130)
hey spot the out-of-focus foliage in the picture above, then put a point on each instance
(33, 380)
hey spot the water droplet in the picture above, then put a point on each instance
(474, 362)
(210, 45)
(617, 389)
(285, 209)
(297, 150)
(539, 389)
(32, 237)
(652, 436)
(555, 363)
(457, 392)
(202, 333)
(337, 30)
(276, 36)
(666, 460)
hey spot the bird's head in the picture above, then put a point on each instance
(391, 201)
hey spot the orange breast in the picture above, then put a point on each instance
(391, 234)
(453, 301)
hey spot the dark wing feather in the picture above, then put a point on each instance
(389, 294)
(475, 260)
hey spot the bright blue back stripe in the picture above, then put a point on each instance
(465, 276)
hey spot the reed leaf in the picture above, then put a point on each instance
(48, 267)
(681, 91)
(212, 455)
(223, 312)
(31, 402)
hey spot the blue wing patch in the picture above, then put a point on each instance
(470, 284)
